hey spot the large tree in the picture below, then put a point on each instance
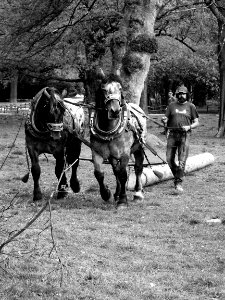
(133, 44)
(43, 35)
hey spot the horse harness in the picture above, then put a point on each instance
(124, 123)
(44, 135)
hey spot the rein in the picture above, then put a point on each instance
(12, 145)
(80, 104)
(165, 127)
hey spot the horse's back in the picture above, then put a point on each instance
(138, 119)
(74, 117)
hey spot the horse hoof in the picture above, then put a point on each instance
(138, 196)
(105, 194)
(75, 187)
(37, 197)
(62, 192)
(121, 202)
(121, 206)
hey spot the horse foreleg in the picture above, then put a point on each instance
(61, 176)
(138, 168)
(119, 169)
(99, 175)
(72, 155)
(36, 172)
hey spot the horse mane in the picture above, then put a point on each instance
(112, 77)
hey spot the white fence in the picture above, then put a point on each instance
(15, 108)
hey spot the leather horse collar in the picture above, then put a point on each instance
(115, 132)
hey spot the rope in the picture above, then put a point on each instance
(153, 151)
(11, 145)
(159, 124)
(80, 104)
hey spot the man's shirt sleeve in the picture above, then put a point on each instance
(194, 113)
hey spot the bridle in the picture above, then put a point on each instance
(113, 95)
(55, 127)
(51, 127)
(122, 117)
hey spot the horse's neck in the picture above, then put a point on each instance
(39, 121)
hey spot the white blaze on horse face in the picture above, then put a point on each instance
(112, 91)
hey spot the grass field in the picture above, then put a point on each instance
(162, 248)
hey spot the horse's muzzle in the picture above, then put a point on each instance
(113, 114)
(55, 130)
(56, 135)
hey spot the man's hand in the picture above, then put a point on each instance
(186, 128)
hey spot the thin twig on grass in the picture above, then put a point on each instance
(25, 227)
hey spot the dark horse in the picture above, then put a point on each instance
(115, 134)
(51, 128)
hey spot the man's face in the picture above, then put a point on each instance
(182, 97)
(170, 94)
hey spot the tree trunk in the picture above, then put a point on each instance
(13, 87)
(218, 9)
(149, 177)
(221, 61)
(133, 44)
(144, 98)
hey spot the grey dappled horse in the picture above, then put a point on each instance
(114, 136)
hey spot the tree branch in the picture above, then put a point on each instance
(176, 8)
(62, 32)
(55, 78)
(179, 40)
(214, 9)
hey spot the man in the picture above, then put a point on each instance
(171, 98)
(180, 118)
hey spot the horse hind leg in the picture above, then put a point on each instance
(74, 182)
(36, 172)
(138, 168)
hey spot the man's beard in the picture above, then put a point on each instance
(182, 99)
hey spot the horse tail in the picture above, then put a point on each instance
(26, 176)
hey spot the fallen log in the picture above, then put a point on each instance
(149, 177)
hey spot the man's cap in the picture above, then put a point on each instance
(182, 89)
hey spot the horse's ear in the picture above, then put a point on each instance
(47, 94)
(64, 93)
